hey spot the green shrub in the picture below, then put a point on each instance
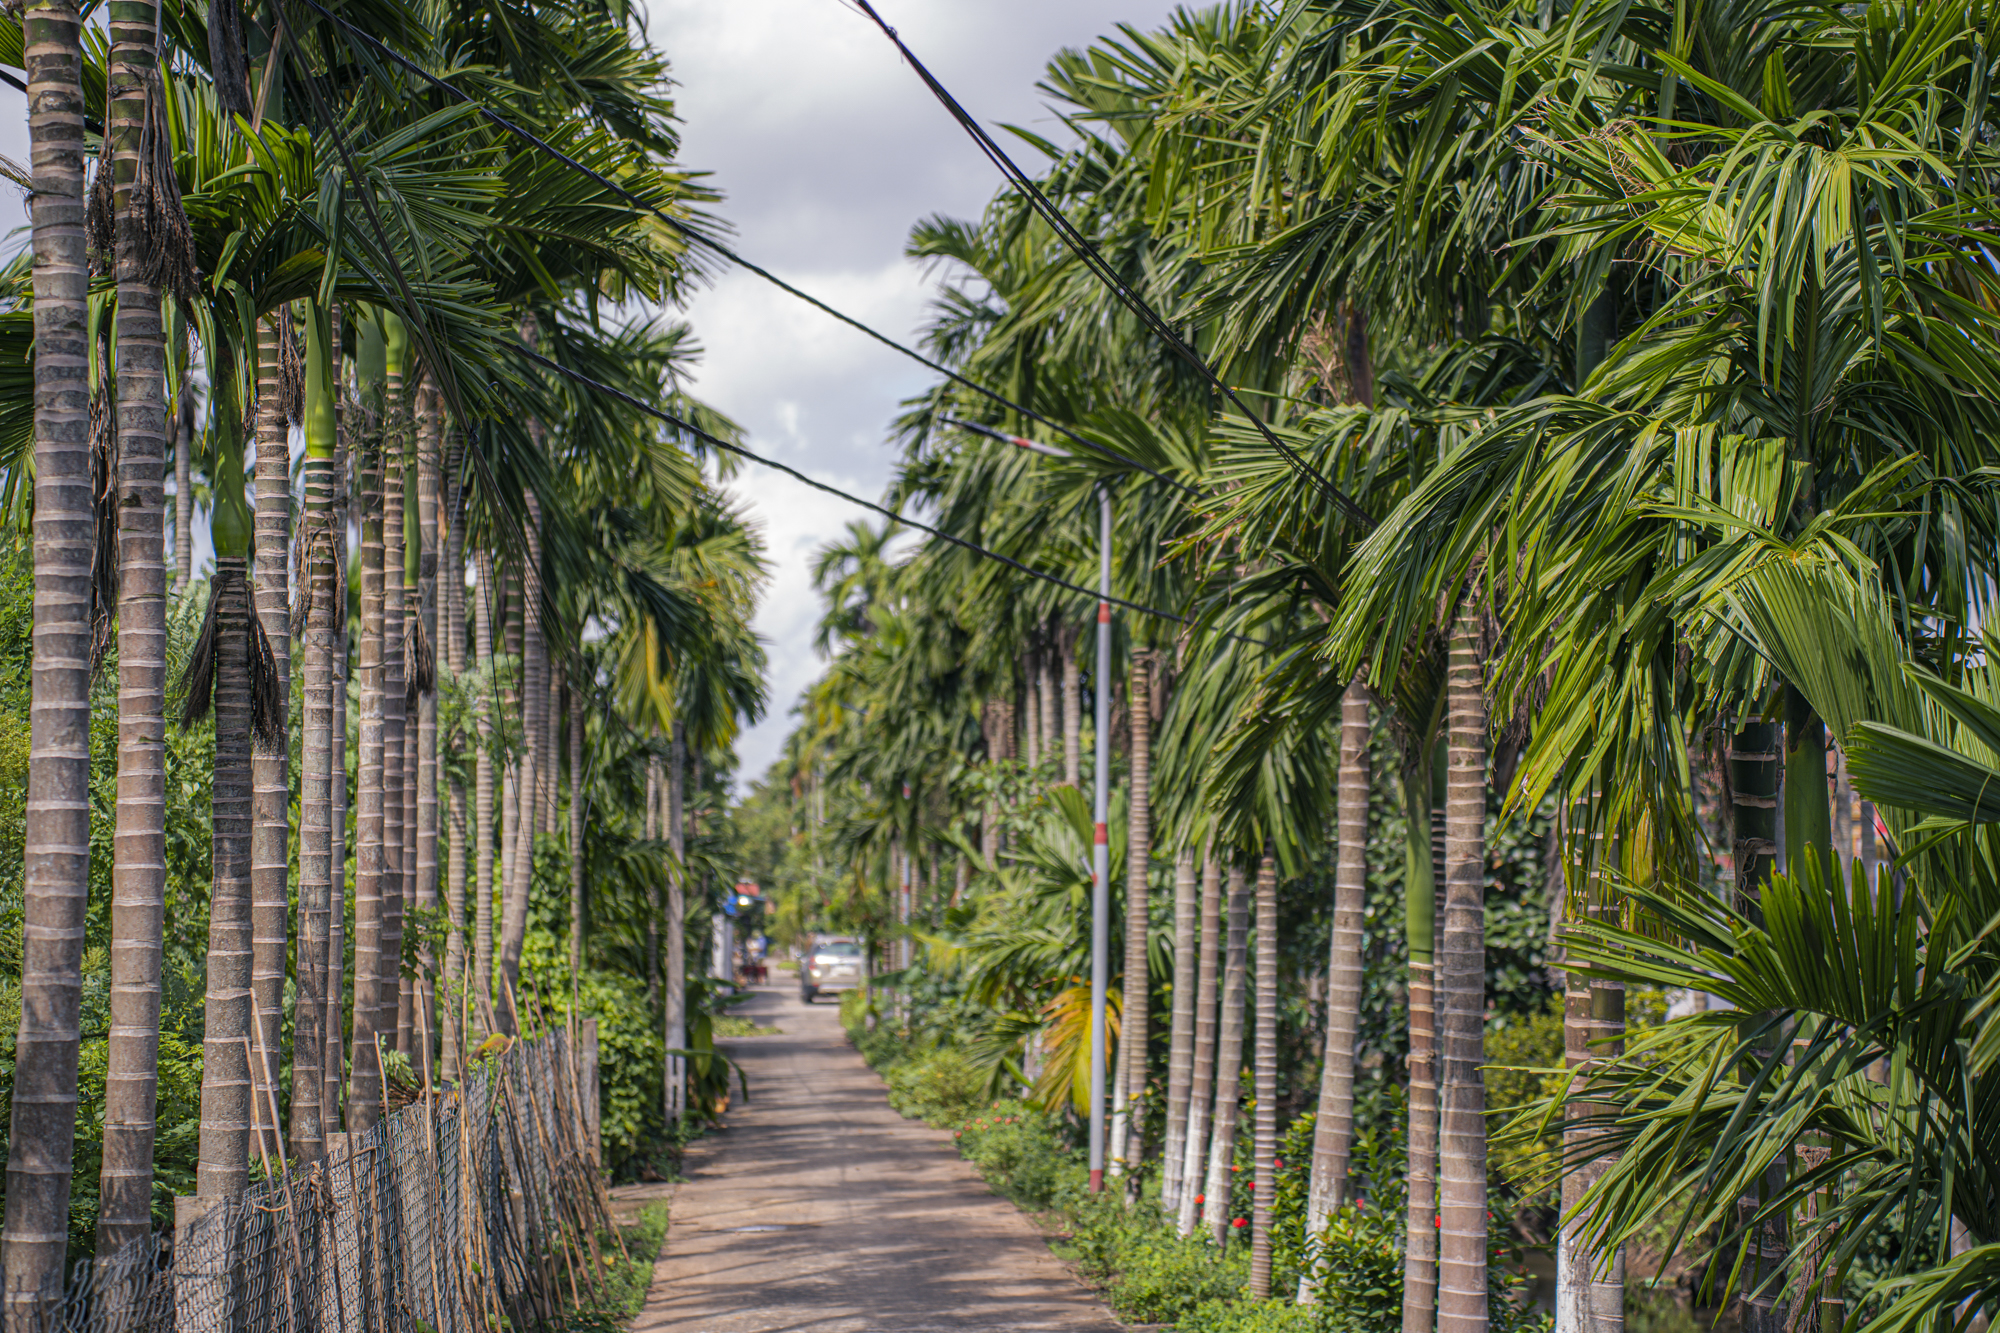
(939, 1086)
(1273, 1316)
(1022, 1155)
(1651, 1311)
(1162, 1277)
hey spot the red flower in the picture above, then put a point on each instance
(1240, 1222)
(1276, 1163)
(1251, 1185)
(1200, 1198)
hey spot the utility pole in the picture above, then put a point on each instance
(1100, 852)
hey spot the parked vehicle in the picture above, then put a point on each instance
(831, 966)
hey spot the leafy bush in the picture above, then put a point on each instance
(1022, 1154)
(1150, 1274)
(1273, 1316)
(939, 1086)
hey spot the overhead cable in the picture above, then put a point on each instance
(699, 237)
(1101, 268)
(715, 441)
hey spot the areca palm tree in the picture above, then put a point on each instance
(44, 1107)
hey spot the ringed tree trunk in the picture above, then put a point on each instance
(318, 549)
(1045, 683)
(676, 929)
(1264, 1145)
(333, 1049)
(1127, 1134)
(449, 1017)
(1228, 1065)
(1333, 1126)
(57, 872)
(1072, 707)
(183, 494)
(577, 912)
(1590, 1287)
(534, 707)
(656, 804)
(1201, 1083)
(1180, 1046)
(270, 778)
(482, 804)
(1754, 757)
(1420, 1244)
(395, 712)
(138, 871)
(412, 755)
(364, 1100)
(222, 1163)
(1462, 988)
(430, 449)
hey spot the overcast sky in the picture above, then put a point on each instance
(827, 149)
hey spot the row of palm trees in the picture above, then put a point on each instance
(1658, 347)
(294, 238)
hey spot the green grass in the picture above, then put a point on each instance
(630, 1252)
(728, 1025)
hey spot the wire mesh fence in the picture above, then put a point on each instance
(468, 1207)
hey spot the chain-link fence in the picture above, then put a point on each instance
(467, 1207)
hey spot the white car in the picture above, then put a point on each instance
(833, 965)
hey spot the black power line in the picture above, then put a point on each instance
(661, 414)
(1101, 267)
(699, 237)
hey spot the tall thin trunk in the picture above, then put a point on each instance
(656, 799)
(1072, 708)
(1134, 1028)
(1045, 683)
(57, 868)
(577, 912)
(270, 780)
(1264, 1146)
(456, 834)
(430, 450)
(1420, 878)
(364, 1097)
(1754, 756)
(395, 707)
(1031, 712)
(406, 981)
(333, 1049)
(1228, 1063)
(138, 871)
(222, 1161)
(482, 803)
(534, 707)
(1333, 1126)
(183, 500)
(1180, 1045)
(1590, 1286)
(676, 930)
(1201, 1083)
(317, 550)
(1462, 990)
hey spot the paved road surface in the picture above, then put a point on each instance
(820, 1210)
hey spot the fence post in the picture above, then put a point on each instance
(587, 1077)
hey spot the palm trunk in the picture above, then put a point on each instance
(455, 884)
(1228, 1064)
(138, 872)
(183, 502)
(1462, 991)
(1333, 1126)
(333, 1048)
(1755, 791)
(675, 1008)
(1134, 1028)
(1420, 911)
(39, 1152)
(1180, 1045)
(1201, 1083)
(577, 914)
(271, 794)
(412, 753)
(534, 707)
(430, 448)
(395, 713)
(1264, 1146)
(1045, 682)
(1072, 709)
(222, 1166)
(364, 1098)
(1590, 1287)
(482, 803)
(317, 551)
(656, 804)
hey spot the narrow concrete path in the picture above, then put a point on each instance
(820, 1210)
